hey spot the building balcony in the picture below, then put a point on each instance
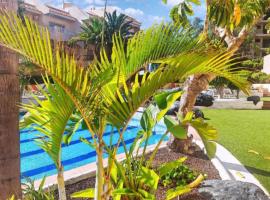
(60, 13)
(31, 8)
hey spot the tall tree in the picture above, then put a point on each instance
(229, 20)
(117, 24)
(91, 33)
(92, 30)
(10, 182)
(50, 117)
(102, 93)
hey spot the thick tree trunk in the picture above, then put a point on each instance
(10, 183)
(61, 184)
(200, 82)
(9, 126)
(193, 87)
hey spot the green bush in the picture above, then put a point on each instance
(180, 176)
(32, 193)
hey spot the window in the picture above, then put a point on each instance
(266, 43)
(259, 27)
(57, 27)
(257, 40)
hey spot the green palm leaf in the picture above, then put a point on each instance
(32, 41)
(108, 82)
(50, 117)
(126, 99)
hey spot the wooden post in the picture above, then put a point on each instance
(10, 183)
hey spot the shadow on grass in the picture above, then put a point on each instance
(258, 171)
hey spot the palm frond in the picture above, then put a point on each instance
(125, 102)
(178, 51)
(179, 55)
(32, 41)
(155, 43)
(50, 117)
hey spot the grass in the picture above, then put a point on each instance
(265, 99)
(244, 130)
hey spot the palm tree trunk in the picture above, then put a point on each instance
(10, 182)
(193, 87)
(220, 90)
(99, 174)
(61, 184)
(200, 82)
(237, 93)
(9, 122)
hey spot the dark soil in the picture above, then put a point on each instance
(198, 162)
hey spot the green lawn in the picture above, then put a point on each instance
(265, 98)
(243, 130)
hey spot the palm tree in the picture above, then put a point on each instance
(9, 98)
(102, 92)
(50, 118)
(92, 31)
(117, 24)
(229, 20)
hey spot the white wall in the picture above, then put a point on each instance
(261, 86)
(266, 64)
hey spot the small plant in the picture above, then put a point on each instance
(134, 178)
(31, 193)
(180, 176)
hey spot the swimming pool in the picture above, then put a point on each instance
(36, 164)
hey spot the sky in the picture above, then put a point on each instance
(147, 12)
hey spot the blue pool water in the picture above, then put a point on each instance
(35, 163)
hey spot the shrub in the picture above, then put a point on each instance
(31, 193)
(180, 176)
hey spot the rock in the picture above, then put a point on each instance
(231, 190)
(255, 99)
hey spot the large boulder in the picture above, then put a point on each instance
(231, 190)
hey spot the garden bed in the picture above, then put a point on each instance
(198, 162)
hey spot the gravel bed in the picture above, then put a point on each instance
(198, 162)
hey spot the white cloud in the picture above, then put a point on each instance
(136, 13)
(132, 12)
(172, 3)
(200, 11)
(96, 2)
(154, 19)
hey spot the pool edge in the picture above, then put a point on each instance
(87, 171)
